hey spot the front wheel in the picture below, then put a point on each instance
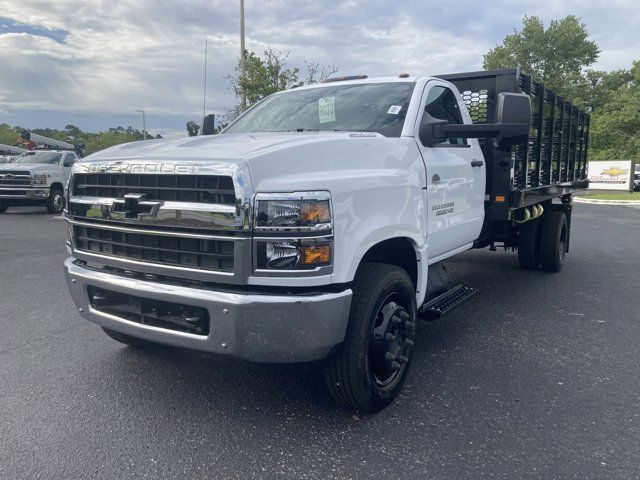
(3, 206)
(371, 365)
(55, 202)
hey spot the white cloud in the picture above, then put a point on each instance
(120, 56)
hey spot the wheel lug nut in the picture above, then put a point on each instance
(395, 365)
(396, 320)
(403, 359)
(390, 337)
(390, 356)
(408, 324)
(409, 342)
(404, 315)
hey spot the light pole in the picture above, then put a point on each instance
(144, 124)
(204, 86)
(242, 60)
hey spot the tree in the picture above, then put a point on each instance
(556, 55)
(615, 128)
(263, 76)
(269, 74)
(193, 128)
(316, 73)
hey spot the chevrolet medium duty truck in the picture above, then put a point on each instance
(38, 176)
(315, 226)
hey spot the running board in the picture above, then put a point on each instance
(436, 308)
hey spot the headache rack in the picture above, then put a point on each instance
(554, 161)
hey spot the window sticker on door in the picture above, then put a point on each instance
(394, 109)
(326, 109)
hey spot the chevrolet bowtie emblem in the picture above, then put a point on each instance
(136, 206)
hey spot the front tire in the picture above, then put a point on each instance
(3, 206)
(126, 339)
(371, 365)
(55, 202)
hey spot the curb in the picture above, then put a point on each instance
(605, 202)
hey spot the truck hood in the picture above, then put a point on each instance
(275, 161)
(228, 147)
(32, 168)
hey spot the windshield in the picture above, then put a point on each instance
(40, 157)
(367, 107)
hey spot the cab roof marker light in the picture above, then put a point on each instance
(344, 79)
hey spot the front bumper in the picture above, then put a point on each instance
(24, 193)
(251, 326)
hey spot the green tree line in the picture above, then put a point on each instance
(559, 56)
(9, 135)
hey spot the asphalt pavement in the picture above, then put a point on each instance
(536, 376)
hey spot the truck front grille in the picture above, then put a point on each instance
(194, 253)
(15, 178)
(156, 313)
(216, 189)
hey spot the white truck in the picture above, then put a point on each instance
(315, 226)
(40, 176)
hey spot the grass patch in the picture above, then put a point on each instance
(614, 196)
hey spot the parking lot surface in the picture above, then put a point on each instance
(536, 376)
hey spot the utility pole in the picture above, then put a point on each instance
(204, 86)
(144, 125)
(243, 67)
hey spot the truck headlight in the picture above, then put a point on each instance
(298, 211)
(298, 254)
(39, 180)
(293, 231)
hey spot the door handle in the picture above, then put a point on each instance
(477, 163)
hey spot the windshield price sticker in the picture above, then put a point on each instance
(394, 109)
(326, 109)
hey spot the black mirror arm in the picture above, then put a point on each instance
(480, 130)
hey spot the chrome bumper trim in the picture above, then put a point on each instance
(256, 327)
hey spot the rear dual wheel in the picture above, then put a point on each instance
(371, 365)
(542, 242)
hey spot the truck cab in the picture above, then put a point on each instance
(314, 227)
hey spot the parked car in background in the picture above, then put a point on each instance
(636, 178)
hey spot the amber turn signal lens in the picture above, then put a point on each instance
(500, 198)
(316, 255)
(315, 212)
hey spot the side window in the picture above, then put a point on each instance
(442, 104)
(69, 160)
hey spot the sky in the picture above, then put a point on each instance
(94, 63)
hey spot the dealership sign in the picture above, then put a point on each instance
(611, 175)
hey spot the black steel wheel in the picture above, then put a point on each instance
(55, 202)
(126, 339)
(553, 240)
(3, 206)
(529, 245)
(371, 365)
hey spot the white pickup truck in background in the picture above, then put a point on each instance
(38, 175)
(315, 226)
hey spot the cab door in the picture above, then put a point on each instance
(455, 176)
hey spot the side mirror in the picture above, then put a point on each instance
(431, 130)
(513, 116)
(513, 124)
